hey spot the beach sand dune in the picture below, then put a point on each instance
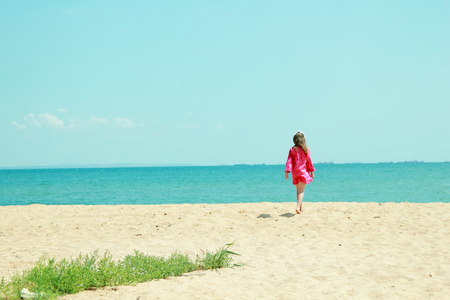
(331, 251)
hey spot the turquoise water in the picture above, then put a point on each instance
(399, 182)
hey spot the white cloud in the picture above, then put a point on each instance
(50, 121)
(45, 120)
(99, 120)
(32, 119)
(221, 127)
(123, 122)
(74, 124)
(86, 124)
(62, 109)
(17, 125)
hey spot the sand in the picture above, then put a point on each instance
(331, 251)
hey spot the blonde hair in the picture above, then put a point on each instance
(299, 140)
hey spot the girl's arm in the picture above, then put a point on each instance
(309, 165)
(288, 163)
(288, 166)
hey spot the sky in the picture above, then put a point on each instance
(206, 82)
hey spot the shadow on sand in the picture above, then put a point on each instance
(286, 215)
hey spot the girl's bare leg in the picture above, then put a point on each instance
(300, 191)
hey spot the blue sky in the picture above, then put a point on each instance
(223, 82)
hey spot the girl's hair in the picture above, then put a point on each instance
(299, 140)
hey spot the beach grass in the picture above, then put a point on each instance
(50, 278)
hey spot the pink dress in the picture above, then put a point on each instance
(300, 164)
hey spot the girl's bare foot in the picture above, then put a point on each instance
(298, 211)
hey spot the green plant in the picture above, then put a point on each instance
(50, 278)
(219, 259)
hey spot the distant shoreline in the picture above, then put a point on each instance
(112, 166)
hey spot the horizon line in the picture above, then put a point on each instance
(136, 165)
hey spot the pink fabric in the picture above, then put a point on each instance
(300, 164)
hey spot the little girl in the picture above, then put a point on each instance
(299, 162)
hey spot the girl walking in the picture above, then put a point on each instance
(300, 164)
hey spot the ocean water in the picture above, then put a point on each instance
(398, 182)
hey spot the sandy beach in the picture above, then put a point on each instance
(331, 251)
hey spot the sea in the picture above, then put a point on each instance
(383, 182)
